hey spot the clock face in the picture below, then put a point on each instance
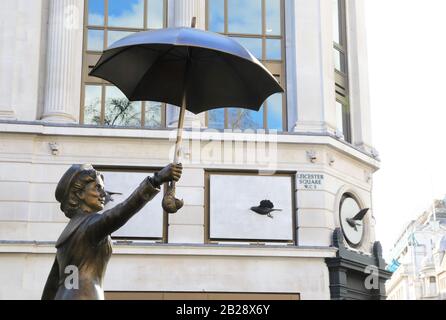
(351, 220)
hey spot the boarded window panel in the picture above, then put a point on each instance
(230, 200)
(147, 223)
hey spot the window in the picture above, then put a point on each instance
(107, 21)
(233, 221)
(150, 223)
(257, 25)
(343, 123)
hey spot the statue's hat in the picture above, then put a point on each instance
(65, 183)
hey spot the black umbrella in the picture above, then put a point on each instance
(194, 69)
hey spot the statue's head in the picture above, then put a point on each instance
(81, 188)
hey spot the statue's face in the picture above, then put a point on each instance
(93, 196)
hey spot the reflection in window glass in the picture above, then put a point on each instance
(335, 7)
(216, 118)
(92, 104)
(114, 36)
(339, 117)
(155, 14)
(95, 40)
(245, 119)
(153, 115)
(216, 15)
(273, 49)
(273, 17)
(126, 13)
(339, 60)
(96, 12)
(245, 16)
(275, 112)
(119, 111)
(254, 45)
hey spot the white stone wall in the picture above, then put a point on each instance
(179, 269)
(29, 172)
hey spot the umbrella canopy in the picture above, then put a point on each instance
(205, 70)
(194, 69)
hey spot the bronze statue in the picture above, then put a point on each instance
(84, 247)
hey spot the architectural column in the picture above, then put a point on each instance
(358, 73)
(314, 66)
(64, 61)
(183, 11)
(8, 21)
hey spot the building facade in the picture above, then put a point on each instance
(307, 150)
(419, 258)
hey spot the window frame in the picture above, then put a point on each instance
(149, 171)
(276, 67)
(90, 57)
(342, 77)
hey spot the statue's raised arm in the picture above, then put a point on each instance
(84, 247)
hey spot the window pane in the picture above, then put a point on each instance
(275, 112)
(155, 14)
(92, 104)
(96, 12)
(245, 16)
(95, 41)
(217, 15)
(119, 111)
(335, 8)
(216, 118)
(126, 13)
(272, 17)
(339, 116)
(339, 60)
(273, 49)
(114, 36)
(254, 45)
(153, 114)
(245, 119)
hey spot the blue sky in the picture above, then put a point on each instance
(407, 67)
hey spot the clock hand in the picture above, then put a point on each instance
(353, 223)
(360, 215)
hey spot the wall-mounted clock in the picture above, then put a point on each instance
(352, 220)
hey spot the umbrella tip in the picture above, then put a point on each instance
(194, 22)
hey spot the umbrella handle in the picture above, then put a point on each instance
(176, 158)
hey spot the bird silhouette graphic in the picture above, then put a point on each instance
(356, 221)
(109, 195)
(265, 208)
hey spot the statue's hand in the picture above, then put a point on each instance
(171, 172)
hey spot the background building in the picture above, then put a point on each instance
(418, 258)
(52, 114)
